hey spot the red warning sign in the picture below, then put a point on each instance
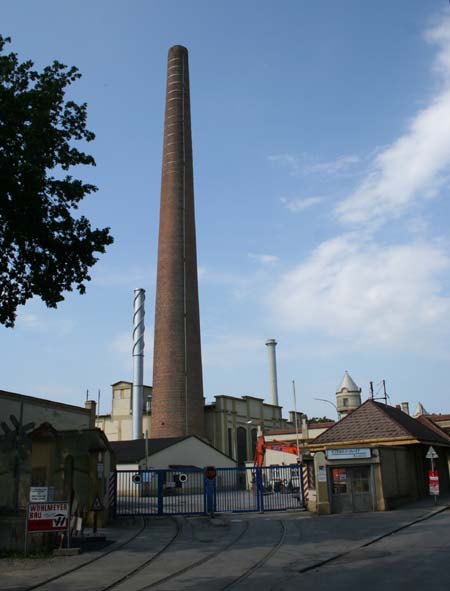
(44, 517)
(433, 481)
(210, 472)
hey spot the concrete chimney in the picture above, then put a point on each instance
(305, 434)
(92, 406)
(405, 407)
(138, 361)
(271, 344)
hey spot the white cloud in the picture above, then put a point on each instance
(413, 166)
(264, 259)
(201, 272)
(47, 321)
(349, 288)
(121, 343)
(291, 161)
(297, 205)
(297, 164)
(231, 350)
(132, 276)
(339, 164)
(30, 321)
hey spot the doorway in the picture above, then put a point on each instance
(351, 489)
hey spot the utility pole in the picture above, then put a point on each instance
(296, 419)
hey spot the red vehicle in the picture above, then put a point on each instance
(262, 445)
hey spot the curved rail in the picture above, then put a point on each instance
(136, 570)
(92, 560)
(261, 561)
(199, 562)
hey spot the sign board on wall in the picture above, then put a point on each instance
(322, 474)
(354, 453)
(42, 494)
(43, 517)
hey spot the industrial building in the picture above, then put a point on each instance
(374, 459)
(168, 452)
(55, 447)
(230, 422)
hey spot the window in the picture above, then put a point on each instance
(241, 445)
(39, 476)
(254, 434)
(360, 479)
(68, 477)
(230, 442)
(339, 481)
(345, 401)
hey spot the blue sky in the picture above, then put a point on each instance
(321, 135)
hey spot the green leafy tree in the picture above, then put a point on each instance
(321, 420)
(44, 248)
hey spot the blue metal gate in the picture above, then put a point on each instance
(187, 492)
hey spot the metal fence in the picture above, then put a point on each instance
(188, 492)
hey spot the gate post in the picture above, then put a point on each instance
(301, 468)
(209, 496)
(160, 492)
(112, 494)
(259, 490)
(205, 495)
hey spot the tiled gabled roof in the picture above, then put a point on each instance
(439, 417)
(373, 420)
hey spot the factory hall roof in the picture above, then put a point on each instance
(373, 421)
(128, 452)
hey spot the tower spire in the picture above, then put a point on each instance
(177, 399)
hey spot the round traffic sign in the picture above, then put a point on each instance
(210, 472)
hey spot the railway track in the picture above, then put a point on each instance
(146, 563)
(197, 563)
(180, 549)
(59, 580)
(90, 561)
(259, 563)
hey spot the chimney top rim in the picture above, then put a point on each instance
(178, 49)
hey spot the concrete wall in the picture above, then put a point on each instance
(37, 410)
(399, 475)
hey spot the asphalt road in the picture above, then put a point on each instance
(414, 559)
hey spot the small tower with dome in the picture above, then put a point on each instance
(348, 396)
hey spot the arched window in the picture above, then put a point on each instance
(254, 434)
(68, 477)
(241, 445)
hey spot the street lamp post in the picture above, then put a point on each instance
(329, 402)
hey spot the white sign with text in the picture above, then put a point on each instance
(354, 453)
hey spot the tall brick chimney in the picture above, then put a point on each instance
(177, 400)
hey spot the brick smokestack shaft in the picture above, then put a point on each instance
(177, 399)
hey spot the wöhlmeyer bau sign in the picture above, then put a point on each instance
(47, 516)
(349, 453)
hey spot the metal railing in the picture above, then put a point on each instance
(187, 492)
